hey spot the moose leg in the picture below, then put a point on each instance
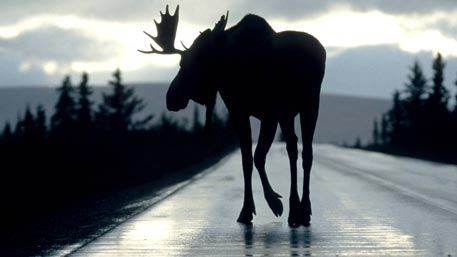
(266, 137)
(243, 128)
(287, 128)
(308, 118)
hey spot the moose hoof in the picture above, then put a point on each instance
(246, 216)
(294, 212)
(274, 202)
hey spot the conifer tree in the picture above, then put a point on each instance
(396, 120)
(19, 128)
(414, 104)
(454, 122)
(40, 123)
(118, 108)
(439, 96)
(7, 134)
(84, 105)
(384, 137)
(376, 133)
(28, 125)
(62, 121)
(455, 105)
(437, 124)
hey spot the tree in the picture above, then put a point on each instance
(437, 111)
(454, 122)
(376, 133)
(416, 87)
(439, 96)
(455, 106)
(384, 137)
(118, 108)
(19, 128)
(84, 105)
(63, 119)
(7, 134)
(396, 121)
(40, 123)
(414, 104)
(28, 125)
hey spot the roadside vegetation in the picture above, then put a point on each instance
(422, 121)
(86, 150)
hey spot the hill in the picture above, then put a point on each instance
(341, 118)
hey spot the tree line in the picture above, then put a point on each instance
(422, 121)
(85, 148)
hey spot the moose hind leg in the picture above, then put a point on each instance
(287, 128)
(308, 120)
(266, 137)
(244, 132)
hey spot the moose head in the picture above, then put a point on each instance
(198, 71)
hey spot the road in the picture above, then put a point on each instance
(364, 204)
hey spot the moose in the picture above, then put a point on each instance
(272, 76)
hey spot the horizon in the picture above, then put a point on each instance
(159, 83)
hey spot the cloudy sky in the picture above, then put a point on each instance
(370, 43)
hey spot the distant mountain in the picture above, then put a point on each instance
(341, 118)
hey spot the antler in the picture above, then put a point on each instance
(166, 34)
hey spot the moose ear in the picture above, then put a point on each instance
(220, 25)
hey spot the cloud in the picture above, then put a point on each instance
(54, 43)
(207, 11)
(40, 41)
(406, 6)
(11, 74)
(376, 71)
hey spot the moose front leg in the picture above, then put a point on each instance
(243, 128)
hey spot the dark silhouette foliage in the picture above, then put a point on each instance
(420, 122)
(118, 108)
(84, 113)
(376, 133)
(79, 155)
(7, 134)
(63, 119)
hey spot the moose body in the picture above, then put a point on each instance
(258, 72)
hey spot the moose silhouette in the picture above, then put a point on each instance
(273, 76)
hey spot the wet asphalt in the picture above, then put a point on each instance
(364, 204)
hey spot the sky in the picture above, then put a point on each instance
(370, 44)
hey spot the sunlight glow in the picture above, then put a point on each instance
(124, 37)
(50, 67)
(346, 28)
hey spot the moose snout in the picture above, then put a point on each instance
(176, 99)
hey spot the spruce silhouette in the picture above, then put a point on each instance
(438, 122)
(84, 106)
(376, 133)
(118, 108)
(41, 129)
(420, 123)
(63, 120)
(7, 134)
